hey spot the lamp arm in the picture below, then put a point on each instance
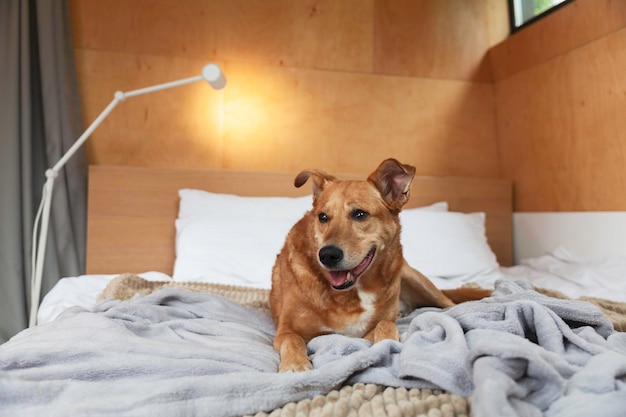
(163, 86)
(210, 73)
(118, 97)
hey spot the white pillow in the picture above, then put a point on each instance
(230, 239)
(205, 203)
(446, 244)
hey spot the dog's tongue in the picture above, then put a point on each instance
(338, 278)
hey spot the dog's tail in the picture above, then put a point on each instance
(459, 295)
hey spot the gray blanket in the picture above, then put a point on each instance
(177, 352)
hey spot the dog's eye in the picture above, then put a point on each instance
(323, 217)
(358, 214)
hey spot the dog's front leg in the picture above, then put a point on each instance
(384, 329)
(293, 353)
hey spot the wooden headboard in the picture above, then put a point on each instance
(131, 210)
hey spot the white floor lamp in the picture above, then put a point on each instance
(210, 73)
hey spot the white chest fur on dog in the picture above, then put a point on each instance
(359, 327)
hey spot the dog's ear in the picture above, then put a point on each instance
(393, 181)
(320, 179)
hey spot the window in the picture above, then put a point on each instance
(525, 12)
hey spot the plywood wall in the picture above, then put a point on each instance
(342, 84)
(560, 96)
(334, 84)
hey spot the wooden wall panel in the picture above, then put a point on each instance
(286, 119)
(561, 130)
(426, 38)
(342, 84)
(289, 119)
(312, 34)
(497, 21)
(432, 38)
(576, 24)
(302, 88)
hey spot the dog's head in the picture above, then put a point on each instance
(354, 222)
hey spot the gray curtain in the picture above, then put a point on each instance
(39, 120)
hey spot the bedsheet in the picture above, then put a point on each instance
(181, 352)
(81, 291)
(558, 270)
(575, 276)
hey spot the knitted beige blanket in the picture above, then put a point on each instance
(358, 399)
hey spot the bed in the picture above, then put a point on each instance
(172, 315)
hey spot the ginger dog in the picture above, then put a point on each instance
(341, 269)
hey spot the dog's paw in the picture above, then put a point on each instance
(293, 353)
(295, 366)
(385, 329)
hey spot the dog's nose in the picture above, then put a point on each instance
(330, 256)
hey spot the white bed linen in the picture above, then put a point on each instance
(559, 270)
(575, 276)
(82, 291)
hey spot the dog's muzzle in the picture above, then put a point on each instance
(341, 279)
